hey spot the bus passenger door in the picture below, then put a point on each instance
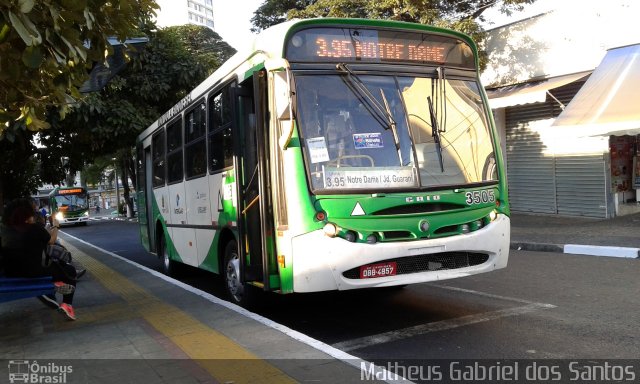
(252, 181)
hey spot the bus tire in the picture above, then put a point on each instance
(169, 267)
(237, 292)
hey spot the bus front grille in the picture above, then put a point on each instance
(430, 262)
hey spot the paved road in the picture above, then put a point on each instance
(544, 305)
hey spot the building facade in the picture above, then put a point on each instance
(564, 87)
(180, 12)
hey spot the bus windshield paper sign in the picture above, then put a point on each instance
(317, 150)
(368, 178)
(367, 140)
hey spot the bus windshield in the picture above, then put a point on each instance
(372, 132)
(71, 202)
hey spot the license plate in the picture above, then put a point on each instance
(378, 270)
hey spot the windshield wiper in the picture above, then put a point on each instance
(392, 124)
(435, 133)
(382, 114)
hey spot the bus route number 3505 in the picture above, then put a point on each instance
(480, 197)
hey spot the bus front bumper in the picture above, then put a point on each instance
(73, 220)
(319, 262)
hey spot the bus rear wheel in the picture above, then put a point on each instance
(238, 292)
(168, 266)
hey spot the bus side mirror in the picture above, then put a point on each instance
(279, 70)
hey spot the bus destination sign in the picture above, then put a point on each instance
(378, 46)
(341, 48)
(70, 191)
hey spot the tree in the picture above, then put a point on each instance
(275, 12)
(159, 74)
(462, 16)
(46, 47)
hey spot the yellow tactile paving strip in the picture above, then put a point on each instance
(194, 338)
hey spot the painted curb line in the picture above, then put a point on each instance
(595, 250)
(577, 249)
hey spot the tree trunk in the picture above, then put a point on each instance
(1, 195)
(132, 172)
(125, 186)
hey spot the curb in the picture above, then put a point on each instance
(576, 249)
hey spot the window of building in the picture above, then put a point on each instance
(209, 2)
(210, 23)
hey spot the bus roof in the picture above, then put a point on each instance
(270, 44)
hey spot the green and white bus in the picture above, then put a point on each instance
(338, 154)
(70, 205)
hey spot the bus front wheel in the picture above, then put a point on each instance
(238, 292)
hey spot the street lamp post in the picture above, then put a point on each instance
(115, 176)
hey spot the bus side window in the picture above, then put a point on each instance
(158, 159)
(195, 149)
(174, 151)
(219, 140)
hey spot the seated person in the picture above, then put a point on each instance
(23, 245)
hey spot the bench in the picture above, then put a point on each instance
(15, 288)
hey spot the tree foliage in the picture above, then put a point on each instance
(46, 47)
(159, 74)
(463, 16)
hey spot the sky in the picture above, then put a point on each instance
(232, 20)
(496, 19)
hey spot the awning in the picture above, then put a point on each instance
(609, 102)
(531, 92)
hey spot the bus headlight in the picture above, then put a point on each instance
(493, 215)
(86, 213)
(59, 216)
(330, 229)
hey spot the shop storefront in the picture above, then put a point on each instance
(572, 142)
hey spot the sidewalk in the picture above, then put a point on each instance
(617, 237)
(135, 325)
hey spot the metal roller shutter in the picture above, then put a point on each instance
(529, 173)
(539, 183)
(581, 186)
